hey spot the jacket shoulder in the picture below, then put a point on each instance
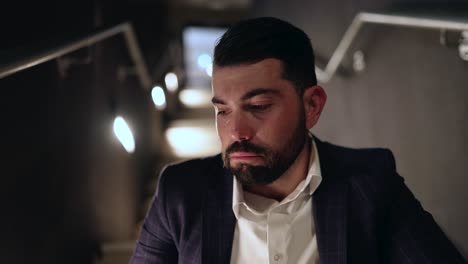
(356, 158)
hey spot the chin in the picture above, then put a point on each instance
(244, 165)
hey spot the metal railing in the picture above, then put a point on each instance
(62, 49)
(324, 75)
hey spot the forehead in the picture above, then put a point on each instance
(236, 80)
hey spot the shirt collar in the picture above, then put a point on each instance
(314, 175)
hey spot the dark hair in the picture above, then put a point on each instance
(253, 40)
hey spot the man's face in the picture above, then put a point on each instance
(260, 120)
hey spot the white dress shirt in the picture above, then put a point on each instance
(268, 231)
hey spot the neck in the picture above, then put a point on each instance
(286, 183)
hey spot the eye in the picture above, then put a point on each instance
(259, 107)
(221, 112)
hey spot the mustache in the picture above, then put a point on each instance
(245, 146)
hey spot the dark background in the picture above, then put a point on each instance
(67, 187)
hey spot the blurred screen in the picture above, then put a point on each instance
(198, 44)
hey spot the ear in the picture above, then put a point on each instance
(314, 99)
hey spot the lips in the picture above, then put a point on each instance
(243, 155)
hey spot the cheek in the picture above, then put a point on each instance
(221, 131)
(277, 132)
(280, 126)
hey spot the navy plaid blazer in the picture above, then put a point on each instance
(363, 213)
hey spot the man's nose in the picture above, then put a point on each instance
(240, 128)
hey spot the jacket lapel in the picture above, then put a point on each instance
(218, 218)
(330, 209)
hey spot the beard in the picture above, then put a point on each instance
(276, 161)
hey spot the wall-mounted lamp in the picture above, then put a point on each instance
(124, 134)
(172, 84)
(194, 98)
(159, 98)
(193, 138)
(204, 62)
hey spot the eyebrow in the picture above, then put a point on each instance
(248, 95)
(215, 100)
(258, 91)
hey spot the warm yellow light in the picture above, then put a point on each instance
(195, 97)
(172, 84)
(193, 141)
(124, 134)
(159, 98)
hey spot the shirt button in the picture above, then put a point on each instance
(277, 257)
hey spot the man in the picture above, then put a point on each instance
(277, 194)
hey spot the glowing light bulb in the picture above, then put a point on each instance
(203, 60)
(159, 98)
(195, 97)
(193, 141)
(172, 84)
(124, 134)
